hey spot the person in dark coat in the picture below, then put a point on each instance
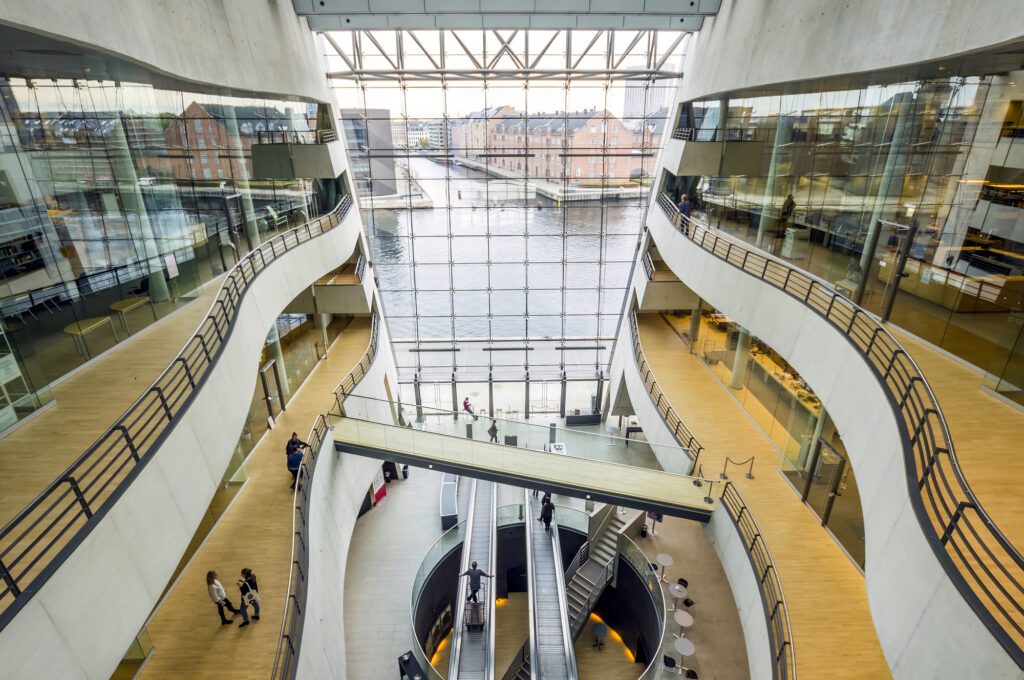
(684, 206)
(547, 511)
(293, 451)
(493, 431)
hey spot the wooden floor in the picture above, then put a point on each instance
(987, 434)
(88, 402)
(832, 629)
(255, 532)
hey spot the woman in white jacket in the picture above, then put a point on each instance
(219, 597)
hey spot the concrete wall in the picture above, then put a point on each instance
(624, 374)
(121, 568)
(752, 43)
(339, 485)
(925, 627)
(243, 46)
(743, 582)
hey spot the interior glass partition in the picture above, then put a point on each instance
(118, 201)
(904, 196)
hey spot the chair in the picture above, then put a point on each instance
(683, 582)
(689, 673)
(670, 665)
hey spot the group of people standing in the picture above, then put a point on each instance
(249, 591)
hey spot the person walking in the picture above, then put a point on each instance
(219, 597)
(547, 511)
(249, 589)
(493, 431)
(684, 207)
(474, 575)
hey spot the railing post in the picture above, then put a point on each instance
(188, 373)
(160, 393)
(12, 586)
(79, 495)
(128, 440)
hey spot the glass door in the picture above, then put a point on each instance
(271, 382)
(825, 478)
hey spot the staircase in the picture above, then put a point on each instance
(589, 580)
(595, 574)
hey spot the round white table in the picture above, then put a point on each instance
(612, 431)
(676, 590)
(665, 561)
(684, 619)
(685, 648)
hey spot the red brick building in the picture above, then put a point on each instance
(581, 147)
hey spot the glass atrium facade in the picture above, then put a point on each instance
(503, 213)
(117, 202)
(928, 168)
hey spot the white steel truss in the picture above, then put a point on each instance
(505, 54)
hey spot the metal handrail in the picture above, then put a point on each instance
(780, 634)
(43, 535)
(959, 531)
(521, 660)
(360, 267)
(675, 424)
(292, 621)
(648, 266)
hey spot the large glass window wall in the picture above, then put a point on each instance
(503, 213)
(843, 183)
(114, 211)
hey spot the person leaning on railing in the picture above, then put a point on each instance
(293, 455)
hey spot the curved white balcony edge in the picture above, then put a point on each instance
(83, 619)
(721, 530)
(924, 625)
(338, 488)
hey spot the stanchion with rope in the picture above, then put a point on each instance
(750, 470)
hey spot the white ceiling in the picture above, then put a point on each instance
(680, 15)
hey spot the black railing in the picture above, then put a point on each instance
(985, 567)
(293, 619)
(521, 661)
(780, 636)
(360, 267)
(35, 543)
(682, 435)
(648, 266)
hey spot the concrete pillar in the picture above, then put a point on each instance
(890, 185)
(274, 343)
(241, 174)
(741, 361)
(783, 132)
(695, 326)
(134, 207)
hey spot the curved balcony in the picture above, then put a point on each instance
(933, 556)
(290, 640)
(87, 540)
(770, 648)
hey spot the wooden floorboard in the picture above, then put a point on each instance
(88, 402)
(832, 629)
(255, 532)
